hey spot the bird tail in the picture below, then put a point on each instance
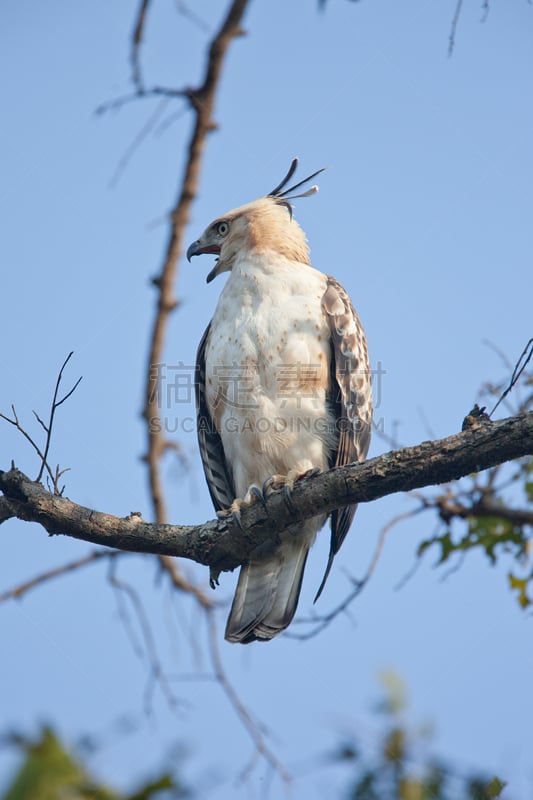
(267, 591)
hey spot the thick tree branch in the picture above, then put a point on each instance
(222, 545)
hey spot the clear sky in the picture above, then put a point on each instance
(425, 217)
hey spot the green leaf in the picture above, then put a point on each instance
(495, 787)
(445, 541)
(520, 585)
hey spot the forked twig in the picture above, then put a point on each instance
(55, 405)
(43, 454)
(521, 364)
(15, 422)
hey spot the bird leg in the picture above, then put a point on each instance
(272, 484)
(286, 482)
(253, 495)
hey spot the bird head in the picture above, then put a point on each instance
(263, 225)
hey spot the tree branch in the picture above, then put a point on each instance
(202, 102)
(222, 545)
(136, 39)
(22, 588)
(450, 507)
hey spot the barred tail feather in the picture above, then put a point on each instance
(267, 592)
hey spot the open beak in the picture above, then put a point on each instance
(198, 249)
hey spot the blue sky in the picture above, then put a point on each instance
(424, 216)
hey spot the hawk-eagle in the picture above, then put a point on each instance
(283, 389)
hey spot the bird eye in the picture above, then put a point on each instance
(222, 228)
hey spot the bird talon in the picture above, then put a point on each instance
(255, 491)
(273, 484)
(267, 485)
(236, 517)
(288, 498)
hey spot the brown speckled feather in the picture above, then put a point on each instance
(276, 316)
(350, 396)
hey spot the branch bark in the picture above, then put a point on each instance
(223, 545)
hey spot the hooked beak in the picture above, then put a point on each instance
(198, 249)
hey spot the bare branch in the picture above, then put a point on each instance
(15, 422)
(136, 39)
(23, 588)
(223, 545)
(179, 582)
(186, 12)
(453, 29)
(450, 507)
(322, 621)
(137, 141)
(48, 428)
(157, 672)
(43, 455)
(240, 709)
(143, 94)
(202, 102)
(521, 364)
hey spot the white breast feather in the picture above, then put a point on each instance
(268, 369)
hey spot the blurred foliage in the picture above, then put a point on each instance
(492, 533)
(397, 770)
(48, 771)
(492, 511)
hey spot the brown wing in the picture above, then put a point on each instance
(350, 396)
(217, 472)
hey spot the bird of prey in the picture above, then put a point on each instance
(283, 390)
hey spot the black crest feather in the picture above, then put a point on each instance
(283, 194)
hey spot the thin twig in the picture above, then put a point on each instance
(55, 405)
(38, 580)
(521, 364)
(504, 358)
(186, 12)
(253, 727)
(179, 582)
(157, 673)
(322, 622)
(453, 29)
(136, 39)
(166, 123)
(137, 141)
(143, 94)
(15, 422)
